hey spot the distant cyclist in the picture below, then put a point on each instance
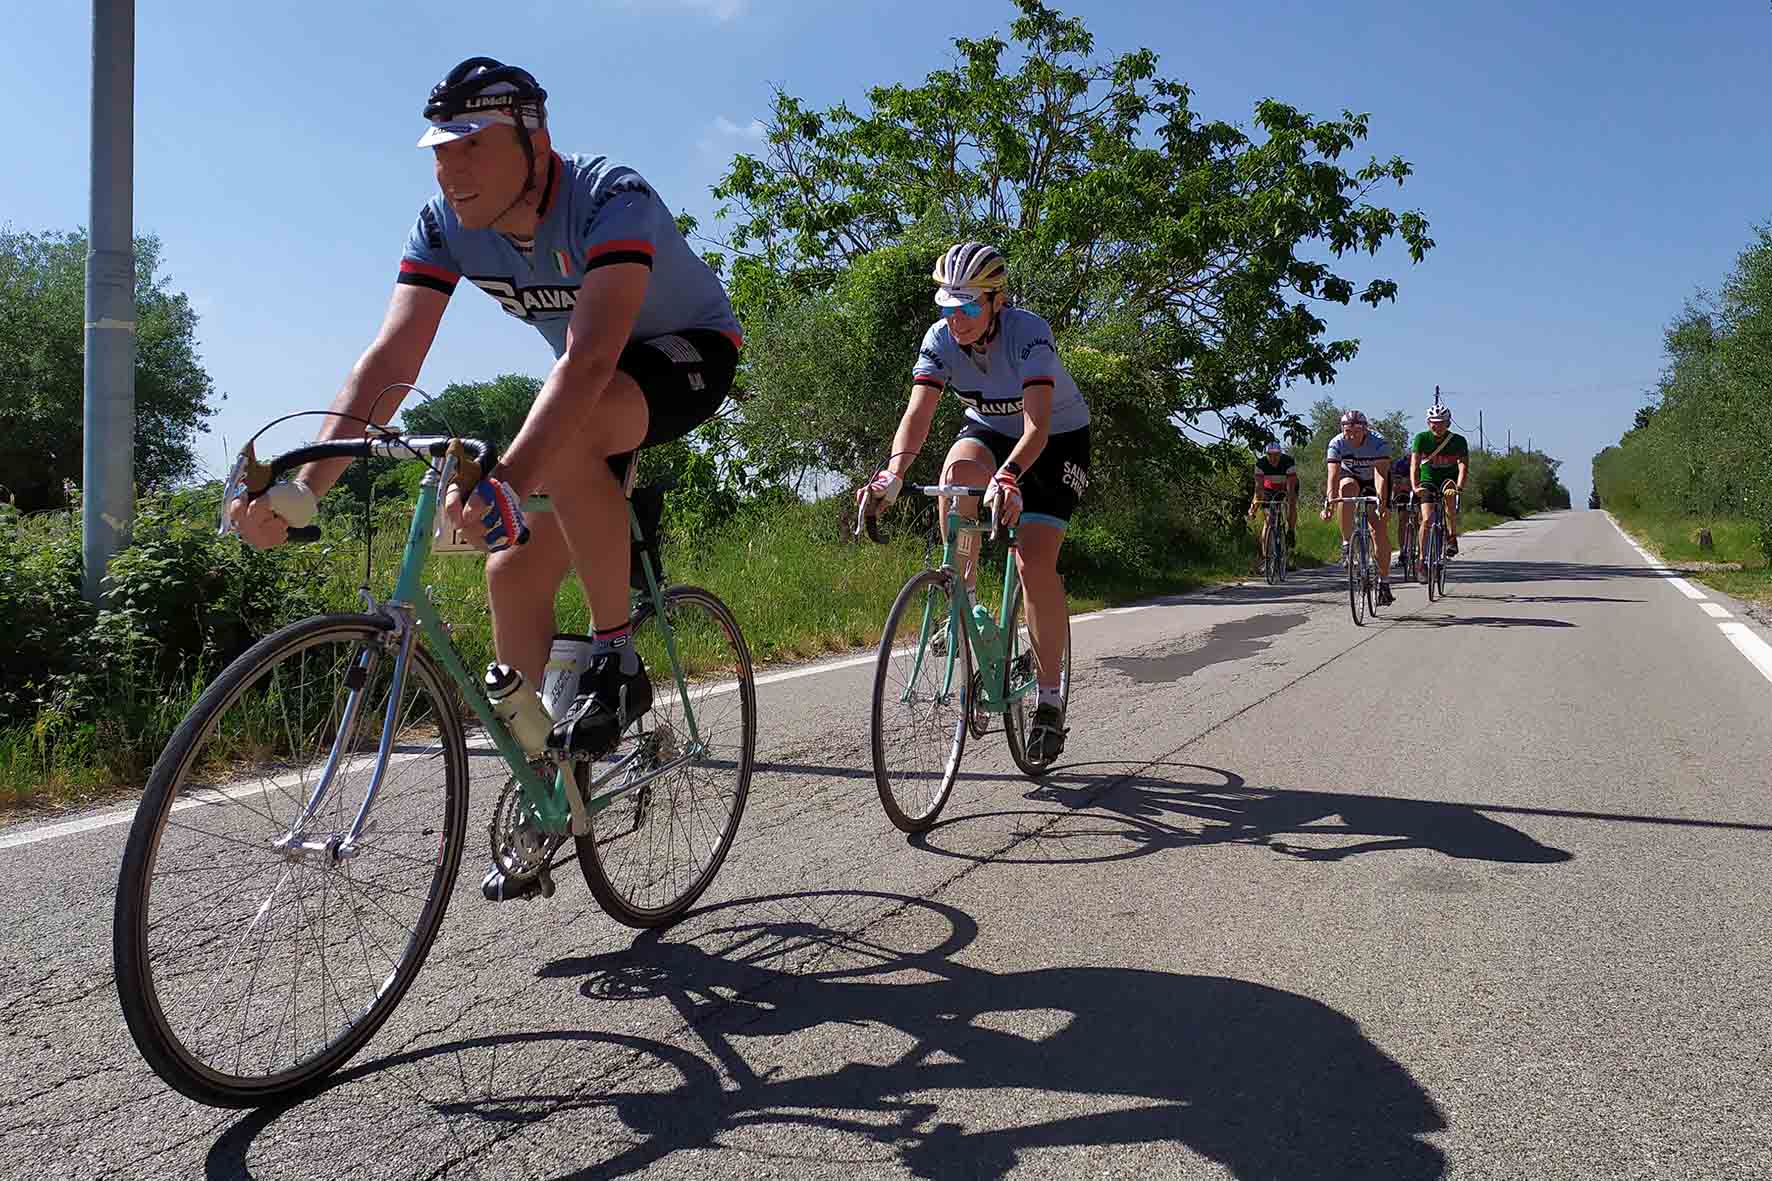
(1359, 465)
(1276, 478)
(1026, 438)
(1402, 495)
(1438, 459)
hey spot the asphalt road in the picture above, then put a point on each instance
(1476, 891)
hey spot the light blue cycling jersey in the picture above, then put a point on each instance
(1020, 355)
(595, 213)
(1358, 462)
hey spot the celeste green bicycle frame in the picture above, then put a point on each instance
(991, 647)
(557, 807)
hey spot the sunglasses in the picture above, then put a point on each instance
(970, 308)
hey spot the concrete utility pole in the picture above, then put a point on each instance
(108, 463)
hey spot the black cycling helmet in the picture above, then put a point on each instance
(480, 92)
(482, 83)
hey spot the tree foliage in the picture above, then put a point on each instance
(1187, 254)
(42, 377)
(1702, 446)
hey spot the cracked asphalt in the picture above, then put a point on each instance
(1476, 891)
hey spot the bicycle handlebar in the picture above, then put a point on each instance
(871, 521)
(1350, 499)
(251, 476)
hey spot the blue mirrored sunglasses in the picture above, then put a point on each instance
(971, 308)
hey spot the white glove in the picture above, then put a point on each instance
(884, 488)
(294, 501)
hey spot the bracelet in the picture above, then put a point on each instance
(1013, 468)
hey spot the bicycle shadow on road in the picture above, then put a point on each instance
(1164, 806)
(1266, 1083)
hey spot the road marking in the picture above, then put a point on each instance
(1750, 646)
(202, 798)
(1745, 639)
(1686, 588)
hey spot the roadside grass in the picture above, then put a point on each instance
(1674, 538)
(799, 588)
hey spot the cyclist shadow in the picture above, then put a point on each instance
(1265, 1082)
(1209, 805)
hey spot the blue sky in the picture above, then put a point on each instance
(1586, 167)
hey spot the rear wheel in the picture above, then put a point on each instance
(1023, 671)
(921, 702)
(652, 852)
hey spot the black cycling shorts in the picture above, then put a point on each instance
(1051, 488)
(684, 377)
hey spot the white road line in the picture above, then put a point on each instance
(1745, 639)
(1750, 646)
(206, 797)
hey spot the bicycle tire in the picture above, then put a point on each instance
(726, 721)
(1356, 576)
(897, 722)
(144, 998)
(1432, 560)
(1017, 717)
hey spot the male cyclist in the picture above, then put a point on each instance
(1026, 439)
(645, 342)
(1276, 477)
(1438, 458)
(1358, 464)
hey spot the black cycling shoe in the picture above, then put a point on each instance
(1046, 734)
(607, 703)
(1452, 547)
(1385, 598)
(1291, 540)
(497, 887)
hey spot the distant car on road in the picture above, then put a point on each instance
(1593, 500)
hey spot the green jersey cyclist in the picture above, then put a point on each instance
(645, 345)
(1026, 439)
(1438, 458)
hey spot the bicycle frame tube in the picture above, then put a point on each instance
(664, 626)
(549, 805)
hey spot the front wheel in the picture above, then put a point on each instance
(1433, 562)
(256, 952)
(652, 852)
(922, 696)
(1356, 579)
(1023, 674)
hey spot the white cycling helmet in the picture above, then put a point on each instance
(1438, 414)
(967, 270)
(1352, 416)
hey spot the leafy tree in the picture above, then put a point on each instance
(492, 410)
(1185, 253)
(42, 379)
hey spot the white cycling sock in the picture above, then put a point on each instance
(1053, 696)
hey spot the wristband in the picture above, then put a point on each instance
(1013, 468)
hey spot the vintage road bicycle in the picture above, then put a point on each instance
(295, 849)
(945, 667)
(1433, 558)
(1362, 581)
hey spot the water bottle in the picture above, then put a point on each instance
(519, 707)
(987, 627)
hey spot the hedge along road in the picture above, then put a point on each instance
(1474, 890)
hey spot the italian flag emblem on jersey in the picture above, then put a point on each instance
(564, 263)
